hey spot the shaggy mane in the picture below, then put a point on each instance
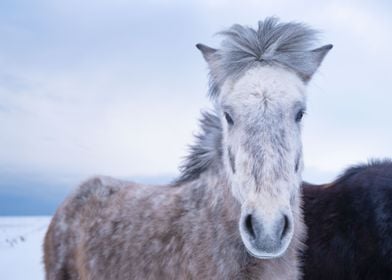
(207, 150)
(285, 44)
(374, 166)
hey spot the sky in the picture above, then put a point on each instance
(116, 87)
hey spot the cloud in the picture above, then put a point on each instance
(116, 88)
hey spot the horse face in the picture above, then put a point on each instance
(261, 116)
(258, 78)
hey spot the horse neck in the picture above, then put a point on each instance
(211, 193)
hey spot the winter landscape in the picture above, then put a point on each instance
(21, 247)
(116, 87)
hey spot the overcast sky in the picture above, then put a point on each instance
(116, 87)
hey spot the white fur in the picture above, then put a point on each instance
(261, 96)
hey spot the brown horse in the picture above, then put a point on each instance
(234, 213)
(349, 225)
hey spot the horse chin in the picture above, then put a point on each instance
(265, 255)
(262, 255)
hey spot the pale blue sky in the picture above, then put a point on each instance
(116, 87)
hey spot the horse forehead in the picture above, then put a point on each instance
(267, 84)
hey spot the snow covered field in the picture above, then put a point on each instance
(21, 241)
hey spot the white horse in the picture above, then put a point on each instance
(234, 213)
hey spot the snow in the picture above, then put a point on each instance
(21, 253)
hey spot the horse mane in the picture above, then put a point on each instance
(206, 152)
(285, 44)
(374, 166)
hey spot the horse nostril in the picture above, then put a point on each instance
(285, 226)
(249, 226)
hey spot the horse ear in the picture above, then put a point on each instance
(206, 51)
(315, 58)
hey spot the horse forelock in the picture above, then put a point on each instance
(272, 43)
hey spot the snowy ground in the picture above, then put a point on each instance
(21, 247)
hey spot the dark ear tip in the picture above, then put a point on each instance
(323, 49)
(329, 46)
(206, 51)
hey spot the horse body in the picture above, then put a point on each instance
(110, 229)
(350, 225)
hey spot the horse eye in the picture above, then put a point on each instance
(228, 119)
(299, 116)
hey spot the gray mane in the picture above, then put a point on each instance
(285, 44)
(206, 152)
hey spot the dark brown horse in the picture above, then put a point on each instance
(350, 225)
